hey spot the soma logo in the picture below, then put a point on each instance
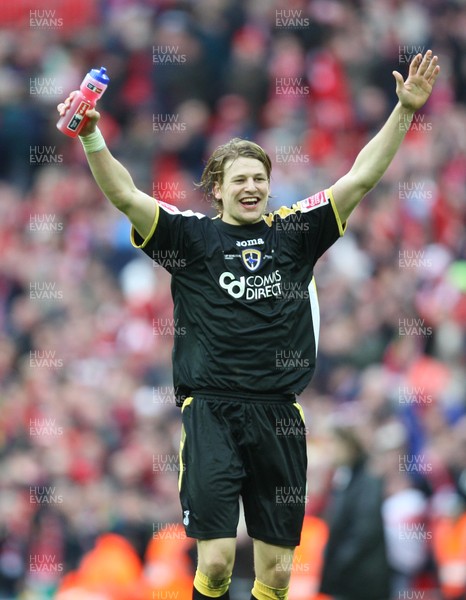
(253, 242)
(252, 258)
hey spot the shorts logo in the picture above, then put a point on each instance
(252, 258)
(186, 518)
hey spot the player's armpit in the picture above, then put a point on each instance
(141, 241)
(348, 192)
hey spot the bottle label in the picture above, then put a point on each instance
(94, 88)
(78, 116)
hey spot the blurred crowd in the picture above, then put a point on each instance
(88, 427)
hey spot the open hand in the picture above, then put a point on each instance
(423, 72)
(91, 118)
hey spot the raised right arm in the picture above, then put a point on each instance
(114, 179)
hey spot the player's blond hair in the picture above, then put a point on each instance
(214, 170)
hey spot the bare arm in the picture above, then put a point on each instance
(115, 181)
(374, 159)
(118, 186)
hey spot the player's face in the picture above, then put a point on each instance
(244, 191)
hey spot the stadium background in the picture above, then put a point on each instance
(88, 426)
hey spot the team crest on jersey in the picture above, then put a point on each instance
(252, 258)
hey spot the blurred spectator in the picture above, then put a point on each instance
(449, 542)
(355, 562)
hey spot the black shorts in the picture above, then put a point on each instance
(255, 449)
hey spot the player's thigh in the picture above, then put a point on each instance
(273, 564)
(211, 471)
(216, 557)
(274, 494)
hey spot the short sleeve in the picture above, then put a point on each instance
(320, 213)
(168, 241)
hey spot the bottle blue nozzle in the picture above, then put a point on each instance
(100, 75)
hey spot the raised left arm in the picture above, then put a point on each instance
(374, 159)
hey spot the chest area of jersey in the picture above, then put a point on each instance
(249, 255)
(255, 268)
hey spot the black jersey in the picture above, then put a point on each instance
(246, 315)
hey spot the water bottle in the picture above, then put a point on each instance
(91, 89)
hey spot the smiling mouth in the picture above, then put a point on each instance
(249, 201)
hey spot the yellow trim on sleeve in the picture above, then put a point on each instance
(341, 226)
(151, 232)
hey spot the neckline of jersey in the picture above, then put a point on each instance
(239, 229)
